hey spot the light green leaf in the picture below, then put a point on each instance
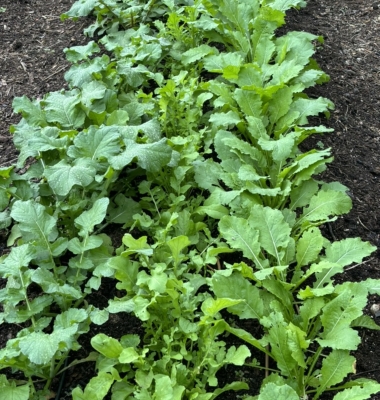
(108, 346)
(94, 216)
(79, 53)
(284, 5)
(274, 232)
(19, 257)
(133, 245)
(347, 251)
(151, 156)
(309, 246)
(63, 108)
(210, 306)
(361, 392)
(95, 90)
(272, 391)
(10, 391)
(176, 246)
(63, 176)
(324, 204)
(34, 221)
(39, 347)
(241, 236)
(80, 8)
(30, 110)
(335, 367)
(297, 343)
(128, 355)
(337, 317)
(238, 288)
(96, 389)
(225, 119)
(96, 143)
(197, 53)
(249, 102)
(237, 356)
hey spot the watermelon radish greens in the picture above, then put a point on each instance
(181, 128)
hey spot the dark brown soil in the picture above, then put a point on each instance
(32, 63)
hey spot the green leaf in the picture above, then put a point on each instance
(64, 109)
(80, 8)
(39, 347)
(34, 222)
(94, 216)
(272, 391)
(238, 288)
(97, 143)
(18, 257)
(152, 156)
(335, 367)
(108, 346)
(337, 317)
(30, 110)
(362, 392)
(211, 307)
(324, 204)
(123, 213)
(309, 246)
(10, 391)
(274, 232)
(241, 236)
(347, 251)
(63, 176)
(284, 5)
(79, 53)
(96, 389)
(176, 246)
(196, 53)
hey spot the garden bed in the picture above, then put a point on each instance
(32, 63)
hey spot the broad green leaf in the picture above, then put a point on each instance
(96, 389)
(285, 5)
(365, 321)
(211, 307)
(63, 108)
(325, 204)
(361, 392)
(156, 282)
(249, 102)
(34, 222)
(39, 347)
(97, 143)
(237, 356)
(347, 251)
(124, 210)
(10, 391)
(309, 246)
(95, 90)
(278, 339)
(238, 288)
(297, 343)
(151, 156)
(118, 118)
(337, 317)
(240, 236)
(63, 176)
(216, 63)
(335, 367)
(196, 53)
(309, 108)
(88, 219)
(272, 391)
(372, 285)
(30, 110)
(225, 119)
(133, 245)
(176, 246)
(79, 53)
(108, 346)
(18, 257)
(274, 232)
(80, 8)
(78, 247)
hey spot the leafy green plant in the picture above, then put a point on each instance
(186, 133)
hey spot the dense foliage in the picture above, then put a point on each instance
(185, 133)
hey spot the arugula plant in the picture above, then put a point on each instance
(186, 87)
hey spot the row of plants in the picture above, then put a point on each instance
(181, 127)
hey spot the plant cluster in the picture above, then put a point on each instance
(185, 132)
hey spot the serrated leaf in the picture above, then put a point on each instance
(18, 257)
(97, 143)
(347, 251)
(361, 392)
(325, 204)
(79, 53)
(34, 222)
(63, 176)
(238, 288)
(64, 109)
(240, 235)
(309, 246)
(274, 232)
(30, 110)
(152, 156)
(81, 8)
(272, 391)
(10, 391)
(237, 356)
(88, 219)
(335, 367)
(196, 53)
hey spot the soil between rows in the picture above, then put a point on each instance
(32, 63)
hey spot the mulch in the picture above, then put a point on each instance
(32, 63)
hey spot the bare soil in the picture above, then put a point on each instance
(32, 63)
